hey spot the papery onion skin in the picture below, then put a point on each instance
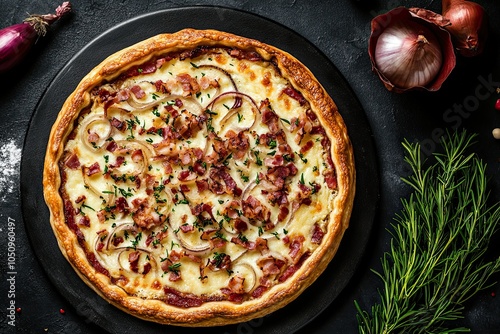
(469, 26)
(403, 16)
(16, 40)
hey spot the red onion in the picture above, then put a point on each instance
(409, 49)
(16, 40)
(468, 26)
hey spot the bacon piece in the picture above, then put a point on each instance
(118, 162)
(146, 68)
(269, 117)
(85, 221)
(222, 262)
(179, 299)
(137, 91)
(237, 284)
(294, 94)
(199, 168)
(101, 216)
(184, 188)
(112, 146)
(146, 269)
(240, 225)
(292, 169)
(202, 185)
(248, 55)
(160, 85)
(100, 246)
(304, 126)
(279, 198)
(254, 209)
(142, 214)
(193, 257)
(220, 173)
(93, 169)
(93, 137)
(259, 291)
(175, 256)
(231, 209)
(275, 161)
(219, 146)
(331, 181)
(197, 153)
(270, 266)
(293, 268)
(185, 157)
(187, 228)
(206, 82)
(233, 297)
(119, 125)
(167, 167)
(305, 191)
(137, 156)
(188, 83)
(306, 147)
(250, 245)
(296, 246)
(186, 175)
(150, 183)
(238, 144)
(217, 243)
(284, 211)
(277, 175)
(80, 199)
(317, 234)
(123, 95)
(133, 258)
(174, 276)
(117, 241)
(261, 245)
(73, 162)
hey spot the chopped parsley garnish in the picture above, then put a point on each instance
(258, 160)
(174, 267)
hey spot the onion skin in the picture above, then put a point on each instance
(16, 40)
(469, 26)
(432, 21)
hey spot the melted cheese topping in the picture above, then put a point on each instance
(205, 176)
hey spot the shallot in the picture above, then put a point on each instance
(468, 26)
(16, 40)
(409, 49)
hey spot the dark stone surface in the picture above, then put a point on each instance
(340, 29)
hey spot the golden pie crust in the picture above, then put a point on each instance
(218, 311)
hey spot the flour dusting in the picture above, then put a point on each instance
(10, 159)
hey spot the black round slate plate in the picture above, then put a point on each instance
(36, 215)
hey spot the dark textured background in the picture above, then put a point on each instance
(338, 28)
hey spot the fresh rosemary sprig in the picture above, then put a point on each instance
(437, 256)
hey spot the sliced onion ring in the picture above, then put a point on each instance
(108, 193)
(147, 151)
(232, 111)
(253, 275)
(125, 250)
(84, 131)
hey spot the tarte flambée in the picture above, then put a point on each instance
(199, 178)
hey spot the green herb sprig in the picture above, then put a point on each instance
(436, 260)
